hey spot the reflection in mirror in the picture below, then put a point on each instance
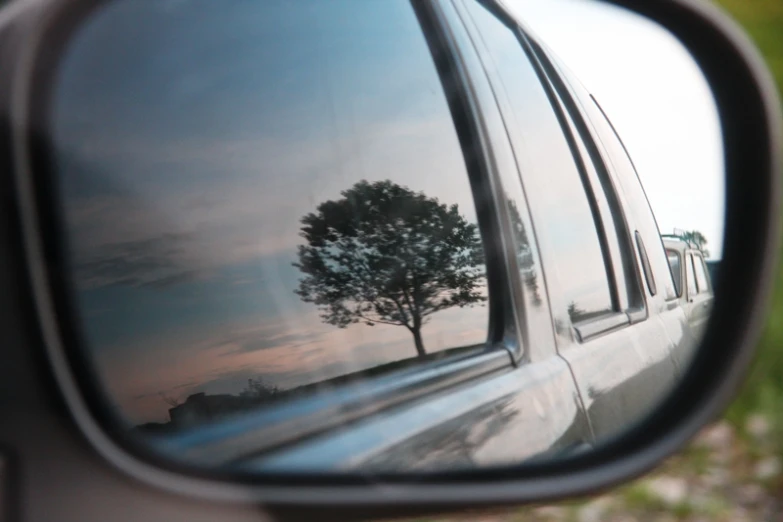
(289, 236)
(188, 216)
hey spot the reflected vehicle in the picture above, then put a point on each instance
(286, 259)
(692, 278)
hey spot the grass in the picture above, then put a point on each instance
(696, 459)
(638, 497)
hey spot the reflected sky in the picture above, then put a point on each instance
(192, 138)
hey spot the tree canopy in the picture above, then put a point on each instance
(384, 254)
(697, 238)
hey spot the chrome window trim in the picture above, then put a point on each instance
(588, 330)
(288, 422)
(646, 268)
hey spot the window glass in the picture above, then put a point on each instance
(691, 278)
(701, 274)
(617, 248)
(622, 165)
(277, 199)
(676, 269)
(624, 176)
(563, 219)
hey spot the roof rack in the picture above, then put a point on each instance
(681, 237)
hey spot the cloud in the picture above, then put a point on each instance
(147, 212)
(150, 241)
(293, 340)
(154, 262)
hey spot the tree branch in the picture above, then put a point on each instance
(401, 309)
(383, 250)
(416, 294)
(414, 312)
(380, 321)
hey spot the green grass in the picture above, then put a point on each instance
(638, 497)
(695, 458)
(763, 20)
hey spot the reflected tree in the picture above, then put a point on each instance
(257, 389)
(202, 408)
(524, 252)
(172, 402)
(697, 238)
(575, 313)
(384, 254)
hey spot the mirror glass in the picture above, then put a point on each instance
(351, 235)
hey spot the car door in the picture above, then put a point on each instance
(615, 332)
(700, 296)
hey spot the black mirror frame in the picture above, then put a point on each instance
(751, 122)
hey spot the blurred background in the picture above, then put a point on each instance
(733, 471)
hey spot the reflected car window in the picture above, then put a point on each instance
(565, 225)
(277, 199)
(690, 276)
(624, 166)
(701, 274)
(676, 269)
(621, 163)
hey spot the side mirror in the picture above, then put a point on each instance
(379, 258)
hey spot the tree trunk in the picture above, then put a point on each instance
(419, 343)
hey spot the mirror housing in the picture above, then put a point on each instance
(751, 123)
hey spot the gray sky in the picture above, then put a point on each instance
(657, 99)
